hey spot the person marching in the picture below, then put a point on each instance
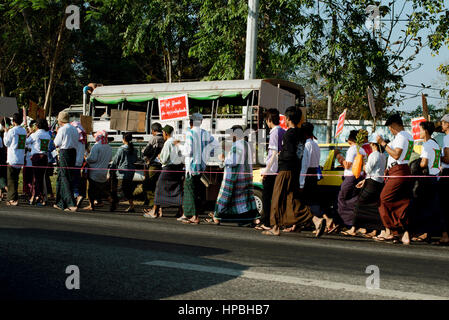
(424, 210)
(396, 194)
(122, 173)
(79, 183)
(286, 207)
(39, 142)
(366, 213)
(443, 184)
(27, 172)
(308, 180)
(198, 144)
(236, 197)
(66, 140)
(269, 173)
(169, 184)
(98, 160)
(14, 140)
(348, 195)
(152, 164)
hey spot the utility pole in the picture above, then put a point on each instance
(251, 40)
(330, 96)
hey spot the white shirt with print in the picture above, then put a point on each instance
(432, 152)
(445, 145)
(16, 145)
(404, 141)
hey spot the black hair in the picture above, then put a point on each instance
(273, 116)
(128, 137)
(353, 135)
(32, 123)
(308, 129)
(395, 118)
(156, 127)
(17, 118)
(293, 114)
(168, 129)
(428, 126)
(42, 124)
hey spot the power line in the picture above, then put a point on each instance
(416, 86)
(417, 95)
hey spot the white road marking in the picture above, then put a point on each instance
(295, 280)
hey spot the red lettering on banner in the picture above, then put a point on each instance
(172, 108)
(415, 127)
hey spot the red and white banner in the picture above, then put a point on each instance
(340, 124)
(173, 108)
(415, 127)
(282, 122)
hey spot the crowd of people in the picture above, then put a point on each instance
(397, 195)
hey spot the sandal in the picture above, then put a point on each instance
(211, 221)
(270, 233)
(262, 227)
(333, 229)
(12, 203)
(57, 207)
(188, 221)
(149, 214)
(382, 238)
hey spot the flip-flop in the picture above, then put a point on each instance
(380, 239)
(57, 207)
(211, 221)
(188, 221)
(12, 203)
(270, 233)
(262, 227)
(332, 230)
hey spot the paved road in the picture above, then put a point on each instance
(125, 256)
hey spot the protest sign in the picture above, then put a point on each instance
(340, 124)
(173, 108)
(415, 127)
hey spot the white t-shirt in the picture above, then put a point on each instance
(404, 141)
(350, 157)
(432, 152)
(15, 141)
(39, 142)
(445, 145)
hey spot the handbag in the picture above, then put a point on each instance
(357, 165)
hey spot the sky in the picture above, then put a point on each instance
(428, 74)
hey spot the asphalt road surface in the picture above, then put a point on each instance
(125, 256)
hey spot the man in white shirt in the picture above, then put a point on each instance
(197, 149)
(396, 194)
(15, 141)
(308, 180)
(444, 180)
(66, 140)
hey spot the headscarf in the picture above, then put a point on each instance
(101, 136)
(81, 131)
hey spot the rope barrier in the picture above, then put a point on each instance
(217, 172)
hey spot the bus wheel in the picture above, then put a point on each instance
(258, 198)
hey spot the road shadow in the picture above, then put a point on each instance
(33, 266)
